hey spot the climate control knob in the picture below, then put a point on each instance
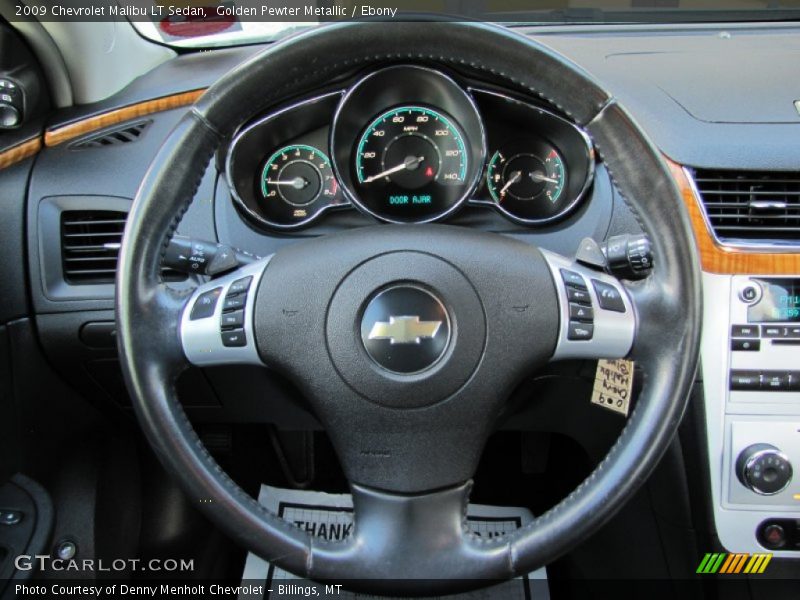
(764, 469)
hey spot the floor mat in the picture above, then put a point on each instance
(330, 517)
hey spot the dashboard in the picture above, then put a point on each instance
(408, 144)
(469, 154)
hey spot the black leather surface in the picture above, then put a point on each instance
(423, 536)
(434, 544)
(13, 182)
(715, 96)
(321, 56)
(412, 433)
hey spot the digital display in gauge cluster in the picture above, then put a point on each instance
(407, 144)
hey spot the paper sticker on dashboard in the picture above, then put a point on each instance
(613, 383)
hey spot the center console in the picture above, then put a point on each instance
(751, 378)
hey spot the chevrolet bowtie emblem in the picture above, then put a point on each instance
(404, 330)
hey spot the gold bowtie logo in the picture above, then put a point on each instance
(404, 330)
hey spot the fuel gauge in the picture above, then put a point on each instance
(526, 176)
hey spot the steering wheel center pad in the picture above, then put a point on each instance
(479, 278)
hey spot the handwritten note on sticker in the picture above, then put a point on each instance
(613, 383)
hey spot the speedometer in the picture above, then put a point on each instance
(411, 162)
(407, 144)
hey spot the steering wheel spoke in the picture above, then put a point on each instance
(391, 532)
(597, 317)
(216, 326)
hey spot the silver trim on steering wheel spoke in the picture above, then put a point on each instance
(603, 332)
(202, 337)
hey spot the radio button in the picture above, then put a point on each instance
(573, 278)
(764, 469)
(750, 293)
(580, 331)
(745, 380)
(610, 297)
(775, 381)
(774, 331)
(744, 331)
(746, 345)
(578, 312)
(793, 381)
(577, 295)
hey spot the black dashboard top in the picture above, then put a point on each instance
(702, 93)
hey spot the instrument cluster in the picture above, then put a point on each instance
(408, 144)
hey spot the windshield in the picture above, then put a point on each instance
(205, 23)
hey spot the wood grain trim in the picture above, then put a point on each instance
(20, 152)
(59, 135)
(716, 258)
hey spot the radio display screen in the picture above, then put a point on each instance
(780, 302)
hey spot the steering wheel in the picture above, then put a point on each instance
(409, 436)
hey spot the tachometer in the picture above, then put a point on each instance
(294, 185)
(297, 175)
(411, 163)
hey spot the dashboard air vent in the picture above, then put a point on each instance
(751, 206)
(90, 243)
(121, 135)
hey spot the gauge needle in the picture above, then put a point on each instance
(537, 177)
(409, 163)
(515, 177)
(297, 183)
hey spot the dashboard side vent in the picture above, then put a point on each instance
(121, 135)
(90, 243)
(751, 206)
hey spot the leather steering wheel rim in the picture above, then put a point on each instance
(668, 305)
